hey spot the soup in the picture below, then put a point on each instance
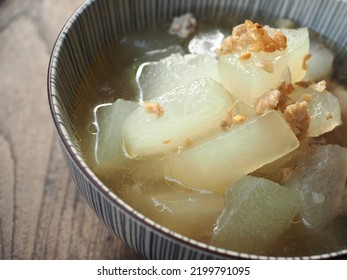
(167, 184)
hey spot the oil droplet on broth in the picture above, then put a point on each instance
(93, 128)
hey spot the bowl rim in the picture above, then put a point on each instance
(65, 139)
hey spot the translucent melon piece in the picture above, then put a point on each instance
(225, 158)
(320, 65)
(157, 54)
(250, 78)
(206, 43)
(190, 213)
(340, 92)
(191, 111)
(325, 113)
(298, 48)
(324, 109)
(257, 212)
(241, 108)
(284, 23)
(155, 78)
(280, 170)
(320, 177)
(338, 135)
(109, 119)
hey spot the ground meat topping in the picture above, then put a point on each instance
(268, 101)
(298, 118)
(321, 86)
(284, 101)
(275, 99)
(286, 88)
(183, 26)
(252, 37)
(296, 114)
(154, 108)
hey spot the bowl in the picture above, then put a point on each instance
(99, 23)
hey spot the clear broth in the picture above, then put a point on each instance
(112, 76)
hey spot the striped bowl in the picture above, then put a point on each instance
(96, 24)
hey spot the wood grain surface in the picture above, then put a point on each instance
(42, 216)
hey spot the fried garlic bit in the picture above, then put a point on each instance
(304, 61)
(154, 108)
(328, 115)
(298, 118)
(306, 97)
(245, 56)
(227, 121)
(284, 101)
(167, 141)
(252, 37)
(232, 118)
(286, 172)
(239, 118)
(267, 66)
(187, 143)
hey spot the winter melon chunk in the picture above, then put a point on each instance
(320, 65)
(109, 119)
(324, 108)
(222, 160)
(186, 212)
(176, 119)
(320, 176)
(257, 212)
(155, 78)
(248, 75)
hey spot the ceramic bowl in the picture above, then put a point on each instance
(95, 25)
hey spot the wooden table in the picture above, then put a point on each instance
(42, 216)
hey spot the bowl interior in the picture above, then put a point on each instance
(97, 26)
